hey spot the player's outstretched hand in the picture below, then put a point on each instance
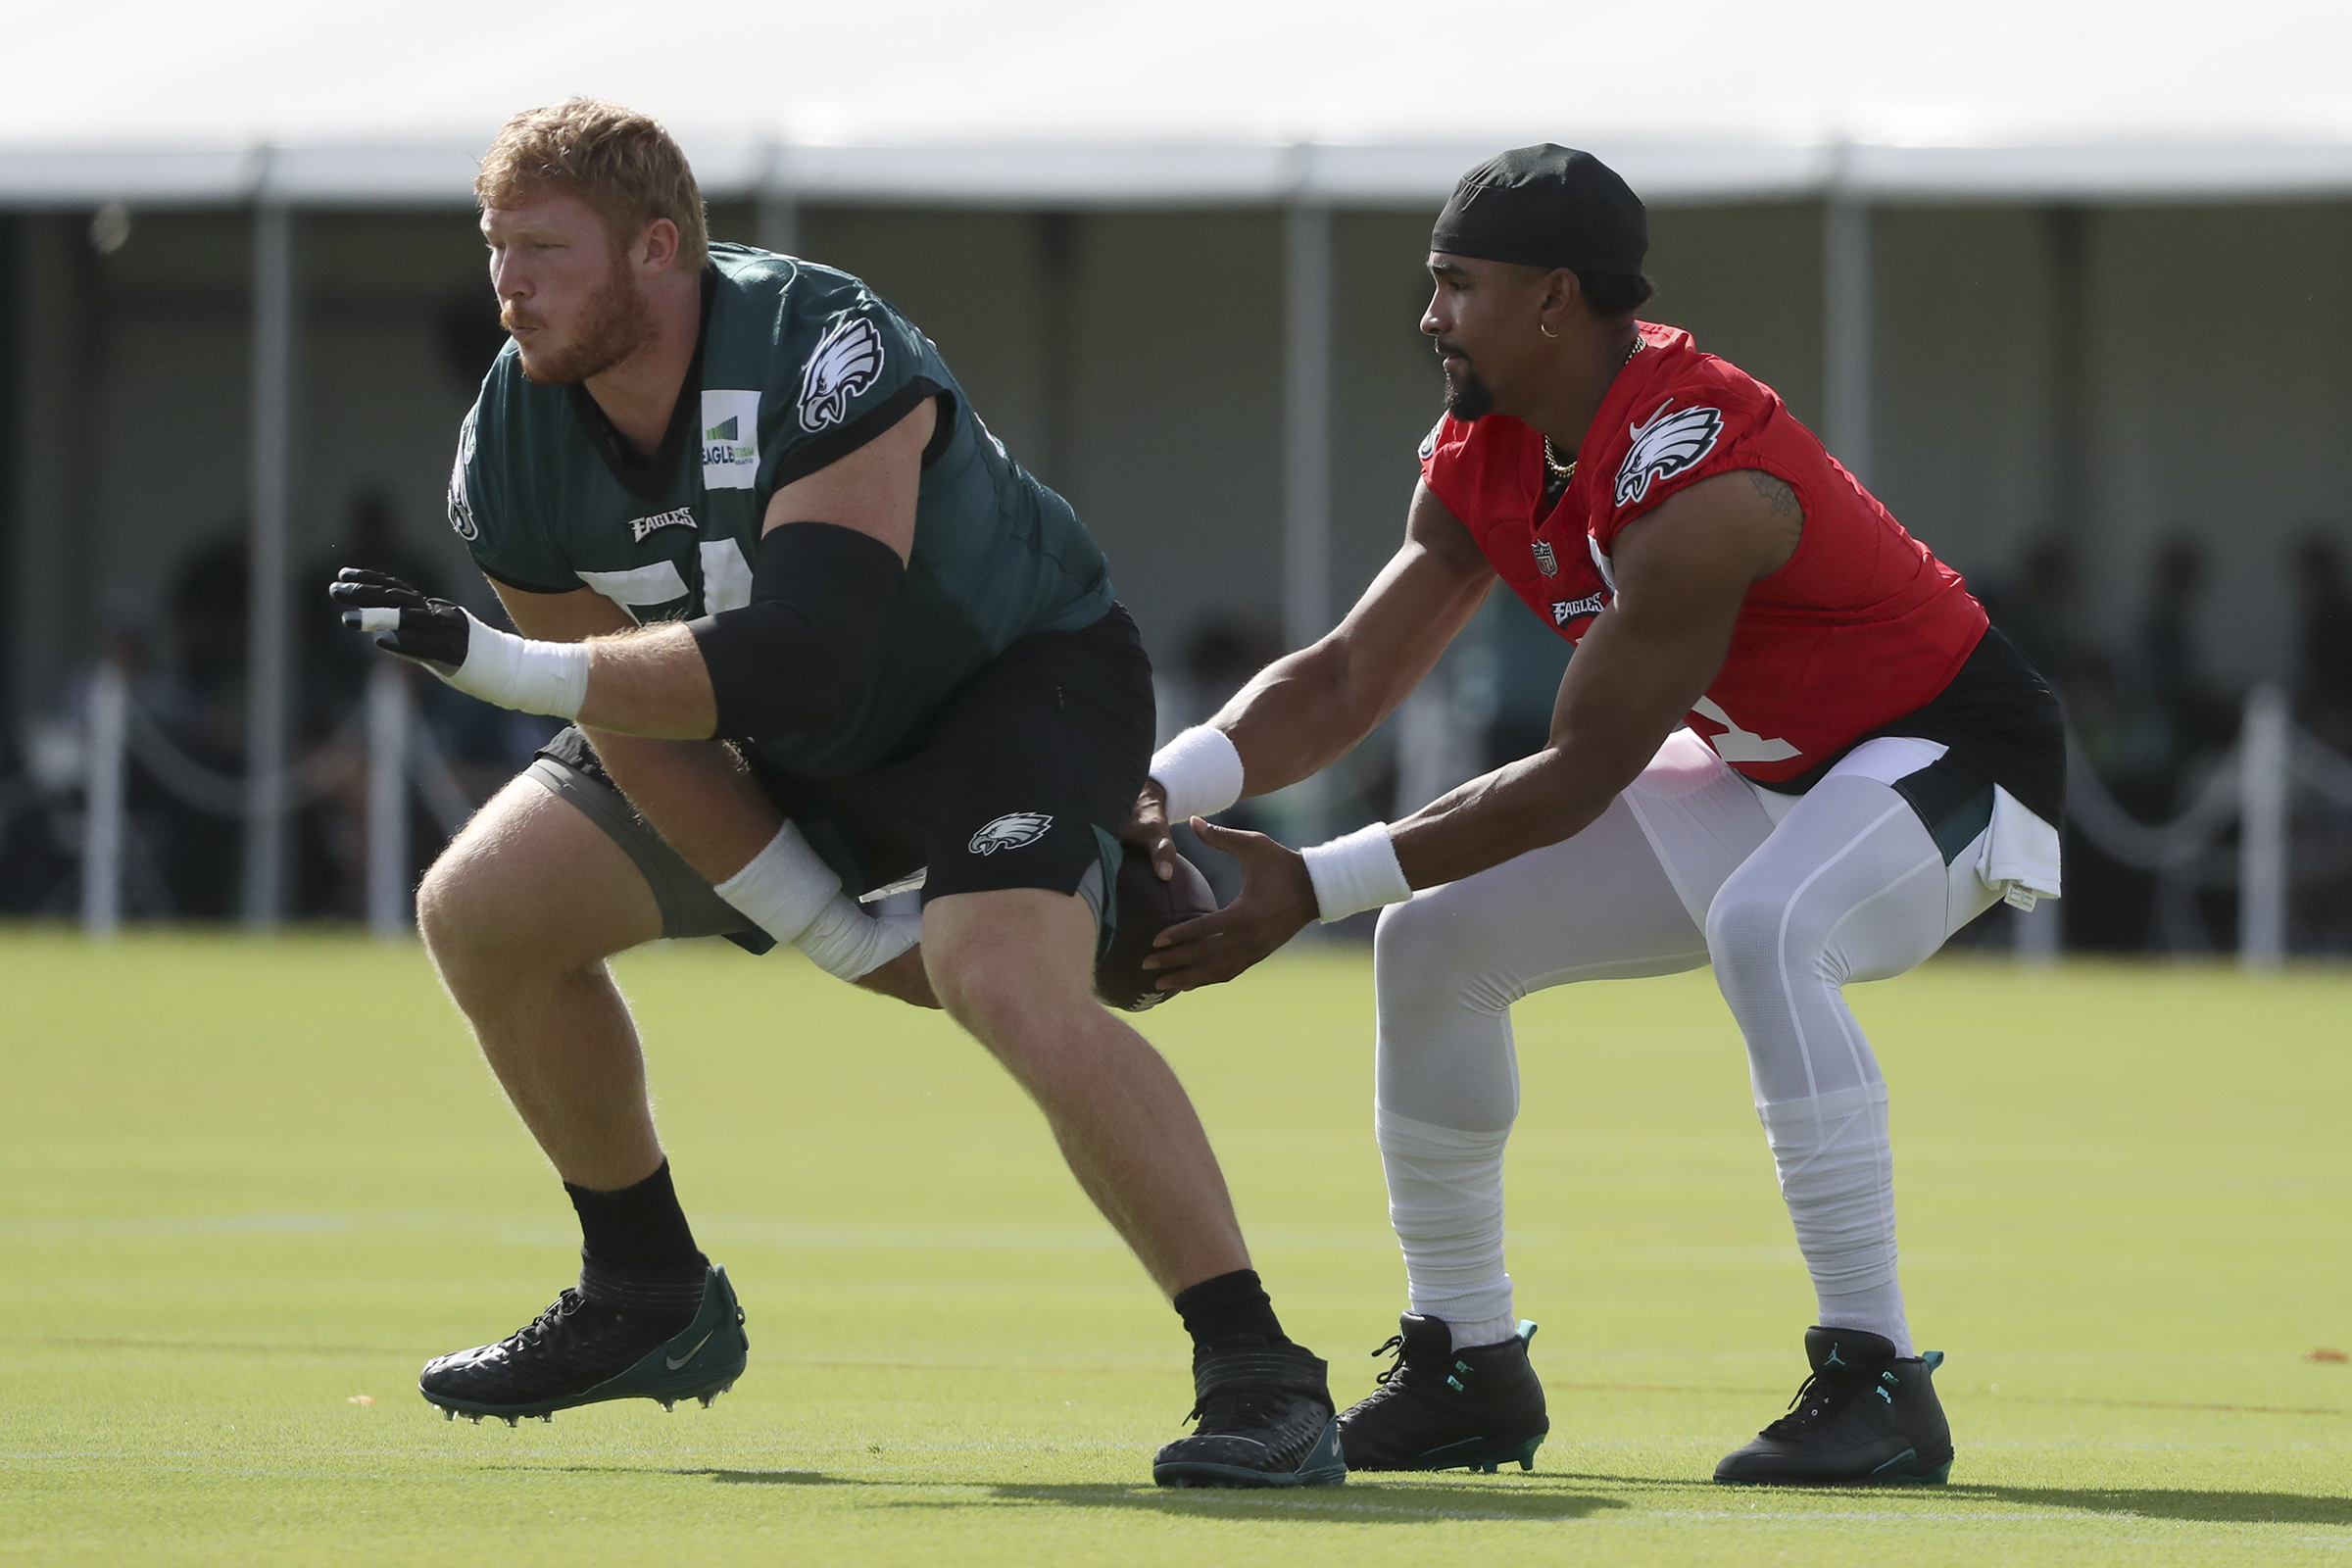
(1148, 828)
(1277, 899)
(403, 620)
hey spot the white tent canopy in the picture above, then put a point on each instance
(1066, 102)
(1313, 104)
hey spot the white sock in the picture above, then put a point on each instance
(1446, 1200)
(1494, 1331)
(1836, 1171)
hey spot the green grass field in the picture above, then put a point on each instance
(247, 1184)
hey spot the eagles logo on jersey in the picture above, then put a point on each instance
(1664, 446)
(1011, 831)
(846, 363)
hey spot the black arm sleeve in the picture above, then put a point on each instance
(801, 655)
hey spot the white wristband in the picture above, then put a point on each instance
(1356, 872)
(847, 943)
(521, 674)
(1200, 772)
(783, 888)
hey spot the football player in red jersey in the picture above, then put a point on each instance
(1789, 745)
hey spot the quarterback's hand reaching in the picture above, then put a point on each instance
(402, 619)
(1148, 828)
(1276, 902)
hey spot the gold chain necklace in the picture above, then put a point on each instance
(1551, 460)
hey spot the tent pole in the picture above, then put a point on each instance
(776, 205)
(267, 661)
(1306, 446)
(2068, 228)
(50, 564)
(776, 220)
(1846, 322)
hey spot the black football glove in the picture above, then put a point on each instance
(403, 620)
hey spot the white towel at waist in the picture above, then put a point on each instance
(2020, 852)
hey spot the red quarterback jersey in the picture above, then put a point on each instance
(1860, 627)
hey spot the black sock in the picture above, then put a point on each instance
(638, 1227)
(1227, 1307)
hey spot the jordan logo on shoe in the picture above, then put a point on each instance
(1833, 1358)
(674, 1363)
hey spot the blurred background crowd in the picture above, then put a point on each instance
(2045, 408)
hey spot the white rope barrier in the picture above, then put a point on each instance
(2144, 846)
(436, 785)
(206, 789)
(2252, 787)
(2321, 771)
(403, 755)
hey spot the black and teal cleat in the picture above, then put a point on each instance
(1439, 1408)
(1865, 1417)
(601, 1341)
(1266, 1421)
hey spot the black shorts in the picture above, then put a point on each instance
(2000, 723)
(1023, 781)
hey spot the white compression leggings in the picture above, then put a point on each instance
(1789, 896)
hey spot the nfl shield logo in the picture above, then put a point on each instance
(1546, 562)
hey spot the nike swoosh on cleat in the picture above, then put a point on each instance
(674, 1363)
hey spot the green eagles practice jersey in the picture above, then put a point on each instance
(798, 365)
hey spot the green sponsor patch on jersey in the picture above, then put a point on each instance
(798, 366)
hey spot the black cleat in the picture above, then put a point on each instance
(1438, 1408)
(1266, 1421)
(583, 1350)
(1866, 1417)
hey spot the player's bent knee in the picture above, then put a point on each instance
(467, 920)
(997, 1004)
(1011, 963)
(485, 917)
(1744, 935)
(1427, 943)
(1766, 936)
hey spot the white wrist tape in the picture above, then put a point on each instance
(1200, 772)
(846, 942)
(784, 888)
(1356, 872)
(521, 674)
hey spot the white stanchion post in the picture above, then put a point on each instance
(103, 742)
(391, 914)
(2262, 871)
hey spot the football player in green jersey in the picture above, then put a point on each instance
(818, 628)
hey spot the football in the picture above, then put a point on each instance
(1146, 907)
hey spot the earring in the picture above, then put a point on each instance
(1545, 331)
